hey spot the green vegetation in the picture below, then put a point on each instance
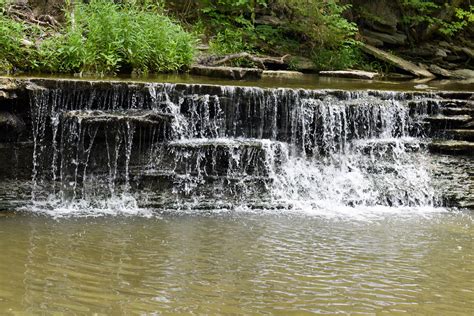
(444, 17)
(123, 36)
(103, 38)
(316, 29)
(13, 51)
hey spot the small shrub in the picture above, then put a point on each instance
(102, 37)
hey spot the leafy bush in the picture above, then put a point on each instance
(105, 37)
(101, 37)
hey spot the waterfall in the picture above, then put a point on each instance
(174, 146)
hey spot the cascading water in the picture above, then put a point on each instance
(122, 147)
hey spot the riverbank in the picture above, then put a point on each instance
(105, 38)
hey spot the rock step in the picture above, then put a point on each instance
(453, 147)
(219, 157)
(111, 117)
(163, 183)
(445, 103)
(448, 122)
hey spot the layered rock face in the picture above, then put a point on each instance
(170, 145)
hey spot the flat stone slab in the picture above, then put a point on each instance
(452, 147)
(282, 74)
(236, 73)
(396, 61)
(357, 74)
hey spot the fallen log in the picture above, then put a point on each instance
(396, 61)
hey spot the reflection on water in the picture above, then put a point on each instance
(307, 81)
(238, 263)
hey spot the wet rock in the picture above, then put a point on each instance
(137, 117)
(282, 74)
(357, 74)
(396, 61)
(236, 73)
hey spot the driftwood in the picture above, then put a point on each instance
(259, 61)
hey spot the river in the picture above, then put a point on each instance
(240, 262)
